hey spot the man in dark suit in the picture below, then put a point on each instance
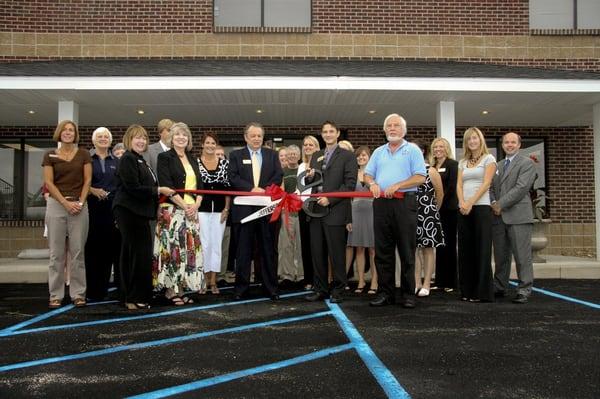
(253, 169)
(328, 233)
(513, 220)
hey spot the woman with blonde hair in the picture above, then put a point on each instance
(310, 145)
(442, 160)
(67, 175)
(475, 173)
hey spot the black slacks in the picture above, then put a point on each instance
(263, 232)
(395, 225)
(445, 260)
(102, 249)
(328, 241)
(136, 256)
(307, 263)
(475, 254)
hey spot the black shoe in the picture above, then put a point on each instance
(317, 296)
(409, 303)
(382, 300)
(520, 299)
(275, 297)
(336, 298)
(499, 294)
(238, 297)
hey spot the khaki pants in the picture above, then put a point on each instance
(60, 226)
(290, 251)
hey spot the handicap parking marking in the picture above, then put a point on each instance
(17, 329)
(219, 379)
(563, 297)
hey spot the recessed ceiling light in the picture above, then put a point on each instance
(140, 112)
(372, 111)
(259, 111)
(31, 112)
(485, 112)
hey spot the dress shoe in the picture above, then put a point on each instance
(382, 300)
(238, 297)
(317, 296)
(275, 297)
(521, 299)
(409, 303)
(336, 298)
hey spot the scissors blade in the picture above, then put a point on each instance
(253, 200)
(267, 210)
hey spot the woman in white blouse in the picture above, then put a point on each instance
(475, 173)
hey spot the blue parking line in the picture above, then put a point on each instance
(563, 297)
(382, 374)
(166, 341)
(161, 393)
(10, 331)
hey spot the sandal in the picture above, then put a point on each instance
(202, 291)
(79, 302)
(372, 291)
(308, 287)
(214, 289)
(54, 303)
(187, 300)
(177, 301)
(136, 306)
(359, 290)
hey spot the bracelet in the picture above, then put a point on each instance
(225, 210)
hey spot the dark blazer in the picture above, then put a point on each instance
(137, 186)
(339, 175)
(171, 172)
(449, 174)
(240, 176)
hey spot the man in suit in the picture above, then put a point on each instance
(254, 168)
(328, 233)
(513, 220)
(162, 145)
(397, 166)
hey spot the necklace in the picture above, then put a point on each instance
(474, 161)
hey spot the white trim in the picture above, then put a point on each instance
(446, 124)
(596, 127)
(306, 83)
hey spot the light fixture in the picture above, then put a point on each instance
(140, 112)
(372, 111)
(259, 111)
(485, 112)
(31, 112)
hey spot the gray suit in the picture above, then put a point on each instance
(511, 230)
(151, 155)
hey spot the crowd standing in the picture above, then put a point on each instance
(133, 209)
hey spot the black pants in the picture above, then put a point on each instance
(136, 256)
(445, 260)
(395, 225)
(102, 249)
(328, 241)
(475, 253)
(307, 263)
(263, 232)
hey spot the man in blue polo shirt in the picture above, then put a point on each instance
(397, 166)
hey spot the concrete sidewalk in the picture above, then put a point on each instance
(13, 270)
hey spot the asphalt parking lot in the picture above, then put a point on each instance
(218, 348)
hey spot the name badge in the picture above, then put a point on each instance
(247, 161)
(53, 156)
(322, 157)
(140, 161)
(441, 169)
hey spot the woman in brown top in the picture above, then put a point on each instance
(68, 175)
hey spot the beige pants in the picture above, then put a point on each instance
(60, 226)
(290, 251)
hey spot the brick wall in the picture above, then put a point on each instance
(570, 177)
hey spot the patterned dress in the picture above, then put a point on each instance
(429, 227)
(177, 260)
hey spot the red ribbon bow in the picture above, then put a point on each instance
(290, 202)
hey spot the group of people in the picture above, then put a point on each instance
(150, 215)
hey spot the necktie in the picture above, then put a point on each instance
(255, 168)
(506, 165)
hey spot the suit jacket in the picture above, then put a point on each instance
(449, 173)
(340, 174)
(511, 190)
(240, 176)
(171, 172)
(151, 155)
(137, 187)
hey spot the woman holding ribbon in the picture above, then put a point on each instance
(177, 262)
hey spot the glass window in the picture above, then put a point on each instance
(262, 13)
(564, 14)
(34, 204)
(588, 14)
(8, 202)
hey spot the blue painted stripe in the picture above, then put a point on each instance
(563, 297)
(382, 374)
(186, 309)
(43, 316)
(161, 393)
(166, 341)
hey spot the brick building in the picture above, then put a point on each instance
(530, 66)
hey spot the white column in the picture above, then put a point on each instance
(446, 123)
(596, 125)
(68, 110)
